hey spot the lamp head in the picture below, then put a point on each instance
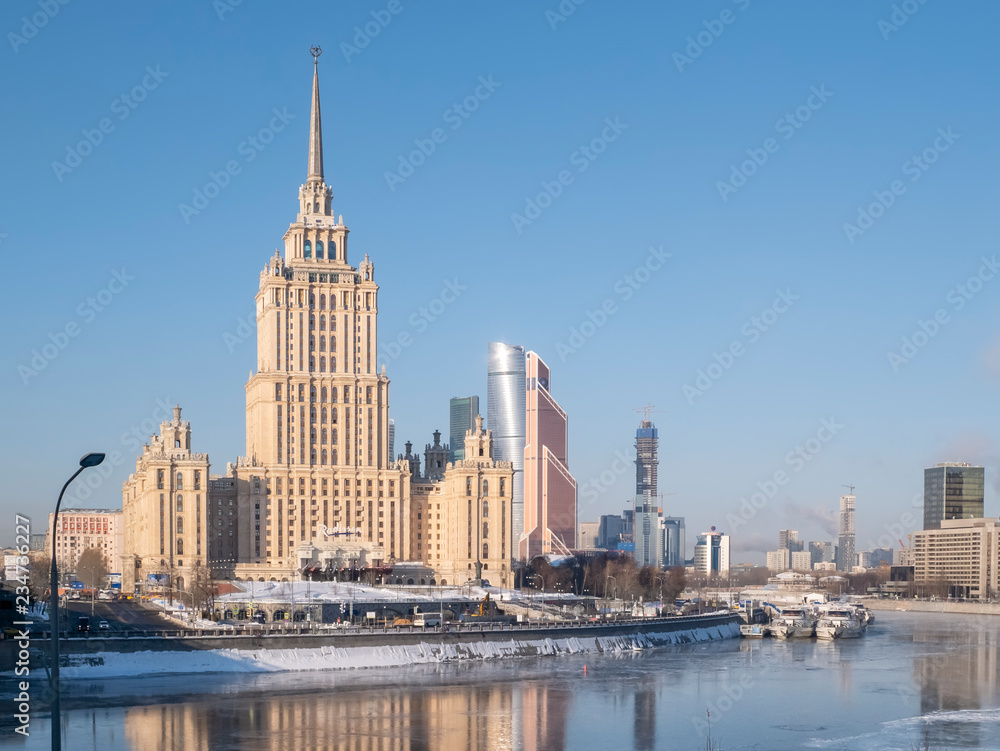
(91, 460)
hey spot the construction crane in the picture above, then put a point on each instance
(646, 410)
(849, 486)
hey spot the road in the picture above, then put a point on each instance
(123, 615)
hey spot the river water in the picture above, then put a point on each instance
(914, 681)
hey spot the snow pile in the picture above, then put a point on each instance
(110, 664)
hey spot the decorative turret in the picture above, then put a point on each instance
(436, 458)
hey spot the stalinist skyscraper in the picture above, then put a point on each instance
(317, 408)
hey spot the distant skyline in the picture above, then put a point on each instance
(774, 222)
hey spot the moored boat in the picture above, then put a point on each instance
(840, 623)
(797, 622)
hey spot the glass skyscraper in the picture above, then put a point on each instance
(462, 413)
(506, 390)
(952, 490)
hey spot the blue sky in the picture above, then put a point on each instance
(743, 137)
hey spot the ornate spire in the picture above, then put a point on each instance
(315, 126)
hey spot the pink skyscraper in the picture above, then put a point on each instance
(549, 488)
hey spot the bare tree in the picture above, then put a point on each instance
(91, 569)
(39, 573)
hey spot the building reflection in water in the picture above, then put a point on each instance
(965, 677)
(501, 717)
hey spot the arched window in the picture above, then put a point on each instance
(322, 323)
(322, 302)
(312, 394)
(322, 365)
(312, 414)
(333, 319)
(312, 363)
(322, 343)
(486, 532)
(333, 364)
(180, 546)
(486, 488)
(312, 456)
(180, 502)
(333, 342)
(180, 481)
(333, 456)
(333, 435)
(312, 300)
(307, 249)
(486, 550)
(333, 249)
(324, 456)
(312, 342)
(322, 414)
(319, 249)
(323, 437)
(486, 509)
(333, 413)
(180, 525)
(312, 436)
(322, 398)
(312, 322)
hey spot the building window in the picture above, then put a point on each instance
(502, 486)
(322, 298)
(319, 249)
(197, 479)
(180, 525)
(312, 364)
(180, 481)
(180, 546)
(322, 323)
(333, 249)
(180, 503)
(486, 488)
(486, 533)
(468, 486)
(159, 479)
(322, 364)
(486, 550)
(307, 250)
(323, 395)
(486, 510)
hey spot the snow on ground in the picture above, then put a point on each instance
(304, 591)
(109, 664)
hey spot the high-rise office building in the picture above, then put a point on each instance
(711, 554)
(549, 488)
(952, 490)
(821, 552)
(673, 540)
(462, 412)
(649, 530)
(845, 542)
(505, 415)
(646, 465)
(789, 540)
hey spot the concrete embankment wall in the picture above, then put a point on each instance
(99, 656)
(923, 606)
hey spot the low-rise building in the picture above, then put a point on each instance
(80, 529)
(963, 555)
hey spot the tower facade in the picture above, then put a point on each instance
(462, 414)
(317, 408)
(845, 542)
(646, 464)
(549, 488)
(952, 490)
(505, 416)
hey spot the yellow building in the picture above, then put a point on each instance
(963, 554)
(317, 487)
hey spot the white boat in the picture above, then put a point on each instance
(795, 622)
(840, 623)
(752, 630)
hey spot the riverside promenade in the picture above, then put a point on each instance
(924, 606)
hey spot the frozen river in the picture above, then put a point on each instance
(914, 679)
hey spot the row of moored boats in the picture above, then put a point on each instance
(826, 621)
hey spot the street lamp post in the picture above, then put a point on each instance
(609, 576)
(90, 460)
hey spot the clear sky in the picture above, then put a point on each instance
(670, 181)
